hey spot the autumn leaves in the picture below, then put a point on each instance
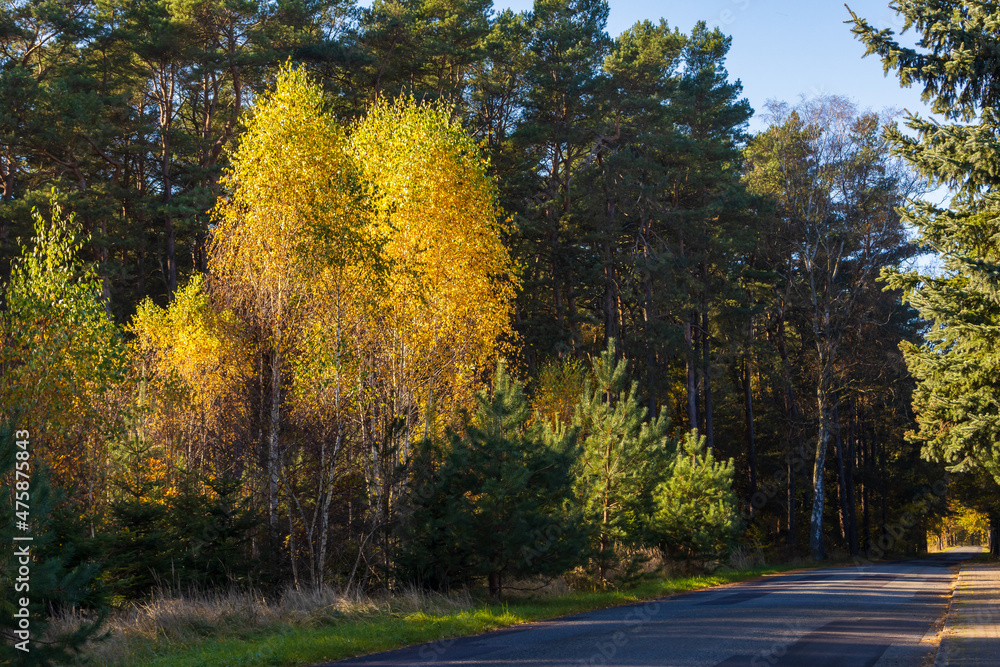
(357, 281)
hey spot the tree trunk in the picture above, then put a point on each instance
(883, 494)
(751, 445)
(707, 381)
(864, 456)
(995, 535)
(167, 198)
(794, 444)
(612, 321)
(272, 441)
(825, 409)
(852, 516)
(605, 548)
(647, 321)
(692, 388)
(790, 518)
(838, 441)
(291, 550)
(496, 584)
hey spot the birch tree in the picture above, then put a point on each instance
(292, 213)
(837, 190)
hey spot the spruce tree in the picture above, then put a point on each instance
(957, 64)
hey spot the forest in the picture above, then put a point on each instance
(316, 294)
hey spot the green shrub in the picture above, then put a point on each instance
(696, 517)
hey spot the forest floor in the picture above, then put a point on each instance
(310, 628)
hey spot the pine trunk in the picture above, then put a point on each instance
(692, 388)
(852, 516)
(707, 383)
(838, 442)
(751, 445)
(496, 587)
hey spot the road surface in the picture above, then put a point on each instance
(874, 615)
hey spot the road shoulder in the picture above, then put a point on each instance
(971, 636)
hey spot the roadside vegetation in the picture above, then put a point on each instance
(309, 627)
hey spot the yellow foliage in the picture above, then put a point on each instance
(560, 384)
(192, 345)
(450, 283)
(292, 209)
(367, 266)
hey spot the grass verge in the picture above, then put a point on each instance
(344, 630)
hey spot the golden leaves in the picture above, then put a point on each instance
(434, 203)
(192, 344)
(365, 263)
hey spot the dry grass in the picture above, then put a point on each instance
(170, 622)
(136, 630)
(746, 557)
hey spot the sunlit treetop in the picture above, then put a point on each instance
(436, 207)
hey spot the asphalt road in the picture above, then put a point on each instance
(872, 615)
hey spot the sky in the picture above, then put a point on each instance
(783, 49)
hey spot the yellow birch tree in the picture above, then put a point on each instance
(447, 294)
(291, 213)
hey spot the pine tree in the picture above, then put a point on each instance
(567, 46)
(627, 179)
(624, 458)
(696, 515)
(54, 582)
(498, 503)
(957, 64)
(707, 194)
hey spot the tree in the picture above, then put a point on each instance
(192, 363)
(424, 49)
(442, 313)
(837, 192)
(705, 187)
(53, 582)
(496, 504)
(956, 65)
(624, 458)
(63, 358)
(567, 45)
(293, 213)
(627, 179)
(696, 516)
(173, 527)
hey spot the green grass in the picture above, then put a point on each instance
(353, 635)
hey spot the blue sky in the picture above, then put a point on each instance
(782, 49)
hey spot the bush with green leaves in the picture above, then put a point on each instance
(696, 516)
(62, 357)
(494, 502)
